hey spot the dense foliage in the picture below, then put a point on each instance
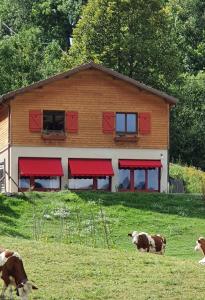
(140, 42)
(158, 42)
(188, 122)
(34, 36)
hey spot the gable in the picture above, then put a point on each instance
(91, 65)
(90, 87)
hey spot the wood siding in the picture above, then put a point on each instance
(90, 93)
(4, 124)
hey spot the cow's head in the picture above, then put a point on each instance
(200, 245)
(24, 289)
(133, 234)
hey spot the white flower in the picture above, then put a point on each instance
(61, 213)
(47, 217)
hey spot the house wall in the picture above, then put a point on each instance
(90, 92)
(4, 124)
(4, 158)
(4, 139)
(65, 153)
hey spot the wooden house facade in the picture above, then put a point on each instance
(90, 128)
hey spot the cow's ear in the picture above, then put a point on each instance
(130, 234)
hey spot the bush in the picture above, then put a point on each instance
(194, 178)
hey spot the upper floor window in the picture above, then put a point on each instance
(53, 120)
(126, 123)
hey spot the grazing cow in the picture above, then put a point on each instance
(148, 243)
(13, 274)
(200, 245)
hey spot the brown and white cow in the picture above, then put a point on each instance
(148, 243)
(200, 245)
(13, 274)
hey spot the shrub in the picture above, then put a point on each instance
(194, 178)
(203, 189)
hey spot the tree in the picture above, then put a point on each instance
(189, 19)
(24, 59)
(133, 37)
(188, 122)
(55, 18)
(34, 36)
(14, 16)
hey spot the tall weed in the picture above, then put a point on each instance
(73, 225)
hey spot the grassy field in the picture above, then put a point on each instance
(76, 272)
(75, 246)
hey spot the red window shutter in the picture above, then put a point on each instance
(108, 122)
(144, 123)
(72, 121)
(35, 120)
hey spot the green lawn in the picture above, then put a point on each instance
(76, 272)
(68, 258)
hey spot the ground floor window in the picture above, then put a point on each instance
(124, 179)
(24, 182)
(80, 183)
(153, 179)
(40, 183)
(139, 179)
(91, 183)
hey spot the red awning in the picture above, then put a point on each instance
(90, 167)
(136, 163)
(40, 167)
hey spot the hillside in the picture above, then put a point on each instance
(103, 220)
(64, 239)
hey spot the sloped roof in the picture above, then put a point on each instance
(90, 65)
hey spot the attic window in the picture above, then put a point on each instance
(53, 120)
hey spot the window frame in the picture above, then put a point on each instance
(32, 184)
(123, 189)
(53, 112)
(132, 187)
(94, 186)
(127, 132)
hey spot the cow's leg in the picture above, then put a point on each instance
(23, 292)
(11, 292)
(202, 261)
(3, 291)
(143, 250)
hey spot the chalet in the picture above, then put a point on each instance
(90, 128)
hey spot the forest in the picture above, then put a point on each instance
(158, 42)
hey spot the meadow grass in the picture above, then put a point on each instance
(104, 219)
(76, 272)
(81, 250)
